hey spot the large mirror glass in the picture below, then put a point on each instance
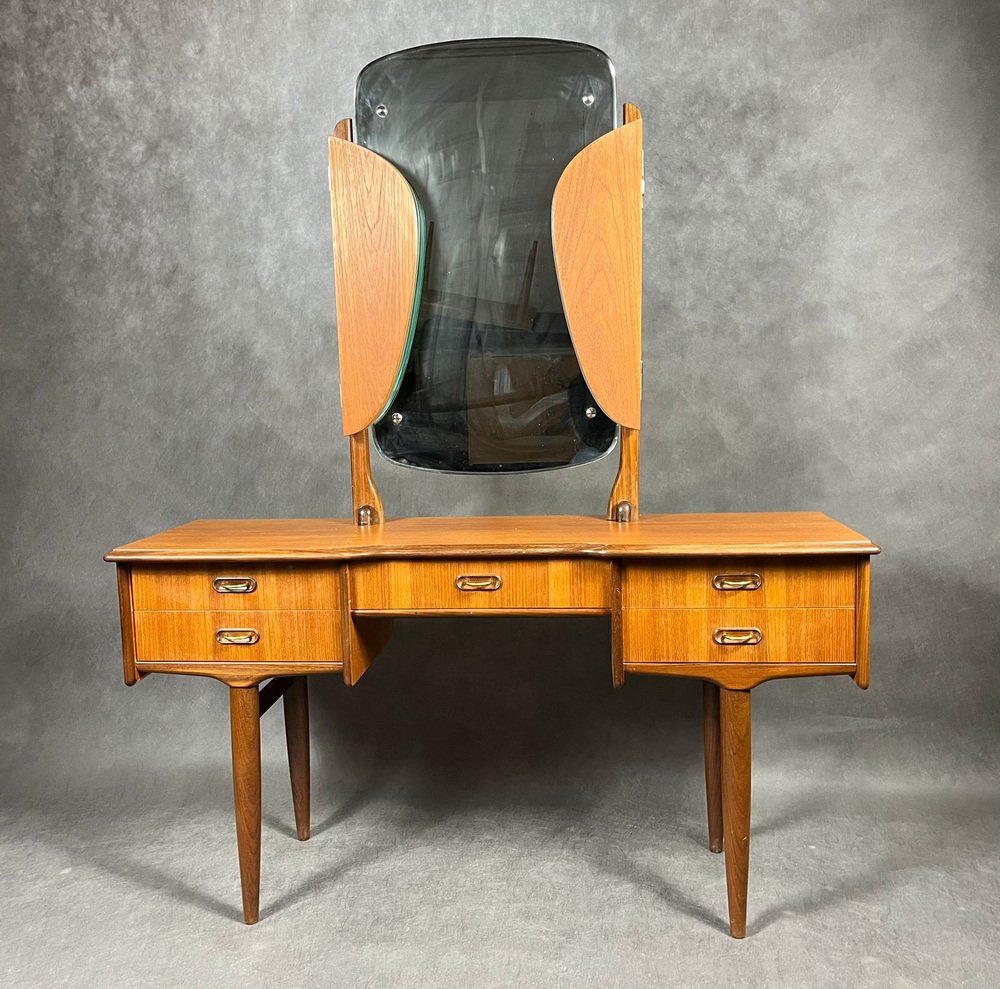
(482, 130)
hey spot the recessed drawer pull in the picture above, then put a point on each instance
(737, 636)
(486, 583)
(737, 581)
(235, 585)
(237, 636)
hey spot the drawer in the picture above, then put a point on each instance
(431, 586)
(236, 587)
(713, 635)
(791, 582)
(254, 637)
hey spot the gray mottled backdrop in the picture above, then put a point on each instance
(821, 316)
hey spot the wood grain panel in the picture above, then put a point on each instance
(740, 676)
(364, 638)
(364, 491)
(617, 631)
(430, 586)
(626, 486)
(127, 624)
(736, 534)
(793, 583)
(597, 243)
(279, 588)
(241, 674)
(862, 628)
(790, 635)
(285, 636)
(377, 234)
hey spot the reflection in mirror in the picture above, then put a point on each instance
(482, 130)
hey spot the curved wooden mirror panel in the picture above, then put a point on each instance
(378, 242)
(597, 239)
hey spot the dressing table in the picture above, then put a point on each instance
(487, 240)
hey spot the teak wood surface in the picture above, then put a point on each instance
(127, 620)
(191, 636)
(800, 582)
(268, 540)
(364, 492)
(862, 614)
(276, 587)
(787, 635)
(565, 584)
(377, 236)
(625, 490)
(597, 244)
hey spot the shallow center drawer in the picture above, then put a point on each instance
(235, 587)
(456, 585)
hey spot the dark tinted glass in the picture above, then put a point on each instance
(483, 130)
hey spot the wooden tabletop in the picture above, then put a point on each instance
(735, 534)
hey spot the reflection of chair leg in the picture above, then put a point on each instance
(735, 734)
(713, 764)
(244, 716)
(296, 700)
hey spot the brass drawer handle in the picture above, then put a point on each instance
(237, 636)
(235, 585)
(737, 636)
(488, 583)
(737, 581)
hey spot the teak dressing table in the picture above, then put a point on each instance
(509, 341)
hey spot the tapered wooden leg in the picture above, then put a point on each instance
(713, 763)
(735, 723)
(297, 738)
(244, 718)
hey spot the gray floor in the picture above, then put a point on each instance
(445, 856)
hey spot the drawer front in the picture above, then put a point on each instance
(808, 582)
(745, 635)
(481, 585)
(236, 587)
(249, 637)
